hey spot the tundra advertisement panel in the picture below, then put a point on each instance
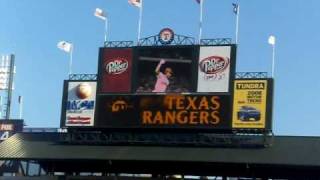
(250, 104)
(115, 70)
(214, 69)
(80, 104)
(164, 111)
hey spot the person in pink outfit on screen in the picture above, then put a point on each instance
(162, 78)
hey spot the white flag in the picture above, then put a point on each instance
(65, 46)
(272, 40)
(136, 3)
(100, 14)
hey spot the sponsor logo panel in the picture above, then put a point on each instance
(214, 69)
(115, 73)
(80, 104)
(249, 104)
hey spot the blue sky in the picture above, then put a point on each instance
(31, 29)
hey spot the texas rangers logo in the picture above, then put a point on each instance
(166, 36)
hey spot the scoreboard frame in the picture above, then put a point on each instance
(194, 81)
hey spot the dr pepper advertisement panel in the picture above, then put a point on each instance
(164, 111)
(215, 69)
(115, 68)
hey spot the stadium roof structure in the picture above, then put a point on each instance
(287, 157)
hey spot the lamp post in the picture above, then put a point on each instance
(272, 42)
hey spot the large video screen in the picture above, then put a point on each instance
(167, 69)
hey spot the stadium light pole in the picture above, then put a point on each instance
(272, 42)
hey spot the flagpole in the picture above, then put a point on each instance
(140, 20)
(1, 107)
(273, 59)
(106, 30)
(20, 107)
(200, 22)
(70, 62)
(237, 23)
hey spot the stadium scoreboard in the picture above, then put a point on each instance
(188, 87)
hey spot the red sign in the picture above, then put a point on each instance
(116, 70)
(214, 64)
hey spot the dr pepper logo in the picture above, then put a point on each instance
(214, 64)
(117, 66)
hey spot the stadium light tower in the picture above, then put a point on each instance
(272, 42)
(99, 13)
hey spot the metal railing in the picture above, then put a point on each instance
(178, 40)
(88, 77)
(260, 139)
(118, 44)
(155, 41)
(216, 41)
(251, 75)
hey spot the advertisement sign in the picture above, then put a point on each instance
(80, 105)
(164, 111)
(250, 104)
(214, 69)
(115, 70)
(9, 128)
(165, 69)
